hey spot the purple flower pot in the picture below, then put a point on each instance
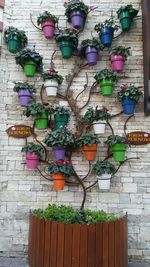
(25, 97)
(59, 152)
(91, 55)
(77, 19)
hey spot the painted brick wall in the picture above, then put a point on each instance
(22, 189)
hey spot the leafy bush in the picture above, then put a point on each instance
(31, 147)
(46, 16)
(10, 32)
(36, 109)
(74, 5)
(101, 167)
(51, 74)
(63, 166)
(129, 8)
(121, 50)
(131, 92)
(60, 137)
(96, 114)
(67, 35)
(24, 86)
(89, 140)
(70, 215)
(106, 74)
(26, 55)
(115, 139)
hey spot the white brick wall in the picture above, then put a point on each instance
(21, 189)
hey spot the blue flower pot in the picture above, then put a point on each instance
(128, 106)
(106, 36)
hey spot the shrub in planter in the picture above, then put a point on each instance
(33, 154)
(59, 170)
(25, 92)
(47, 22)
(67, 40)
(88, 143)
(106, 31)
(59, 140)
(126, 15)
(15, 39)
(40, 113)
(118, 57)
(98, 117)
(106, 79)
(29, 60)
(129, 96)
(90, 49)
(61, 116)
(103, 170)
(52, 80)
(76, 13)
(118, 146)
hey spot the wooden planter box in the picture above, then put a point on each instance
(53, 244)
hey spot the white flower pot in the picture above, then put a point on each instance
(104, 181)
(51, 87)
(99, 127)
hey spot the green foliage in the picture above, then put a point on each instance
(106, 74)
(60, 111)
(131, 92)
(11, 32)
(115, 139)
(36, 109)
(110, 23)
(31, 147)
(67, 35)
(46, 16)
(96, 114)
(60, 137)
(129, 8)
(75, 5)
(63, 166)
(24, 86)
(121, 50)
(26, 55)
(88, 139)
(70, 215)
(52, 75)
(101, 167)
(91, 42)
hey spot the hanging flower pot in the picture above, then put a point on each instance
(13, 44)
(51, 87)
(77, 19)
(117, 62)
(47, 22)
(106, 36)
(66, 49)
(32, 160)
(91, 54)
(61, 120)
(104, 181)
(90, 152)
(15, 39)
(88, 143)
(58, 181)
(128, 106)
(126, 15)
(106, 86)
(59, 152)
(25, 97)
(99, 127)
(119, 152)
(30, 68)
(41, 122)
(52, 80)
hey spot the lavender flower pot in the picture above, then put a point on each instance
(59, 152)
(77, 19)
(25, 97)
(91, 55)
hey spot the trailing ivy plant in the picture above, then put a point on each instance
(24, 86)
(28, 54)
(51, 74)
(36, 109)
(121, 50)
(106, 74)
(60, 111)
(63, 166)
(11, 31)
(91, 42)
(110, 23)
(128, 8)
(46, 16)
(131, 91)
(60, 137)
(115, 139)
(101, 167)
(74, 5)
(96, 114)
(88, 140)
(68, 35)
(31, 147)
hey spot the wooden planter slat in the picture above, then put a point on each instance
(53, 244)
(76, 246)
(60, 247)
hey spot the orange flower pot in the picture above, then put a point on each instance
(89, 152)
(58, 181)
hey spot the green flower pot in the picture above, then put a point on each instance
(125, 20)
(42, 121)
(60, 121)
(66, 49)
(119, 152)
(106, 86)
(30, 69)
(13, 44)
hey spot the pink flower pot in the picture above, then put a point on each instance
(32, 160)
(117, 62)
(48, 28)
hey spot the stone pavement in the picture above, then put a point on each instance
(22, 262)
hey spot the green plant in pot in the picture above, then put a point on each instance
(118, 146)
(47, 22)
(15, 39)
(129, 96)
(90, 49)
(76, 13)
(98, 117)
(25, 92)
(29, 60)
(52, 80)
(34, 153)
(104, 170)
(118, 57)
(67, 40)
(59, 170)
(88, 143)
(106, 31)
(106, 79)
(126, 14)
(60, 140)
(40, 113)
(61, 116)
